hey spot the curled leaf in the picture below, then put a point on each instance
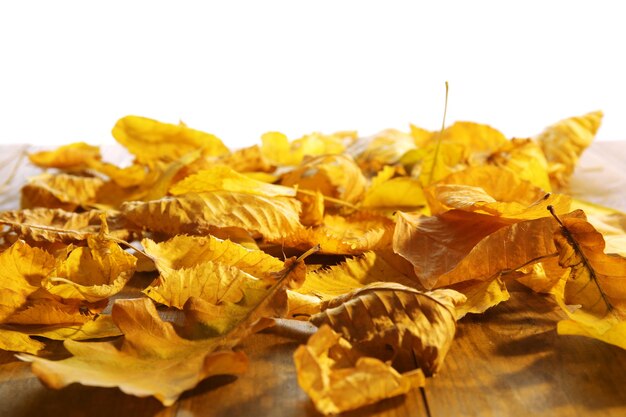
(564, 142)
(151, 141)
(23, 269)
(389, 314)
(338, 378)
(596, 283)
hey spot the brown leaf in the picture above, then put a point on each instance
(459, 246)
(389, 314)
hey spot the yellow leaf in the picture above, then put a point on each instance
(478, 139)
(276, 147)
(91, 273)
(262, 299)
(152, 359)
(422, 165)
(335, 176)
(542, 277)
(525, 158)
(130, 176)
(481, 295)
(98, 327)
(398, 193)
(17, 341)
(201, 213)
(188, 251)
(385, 148)
(224, 178)
(390, 314)
(350, 235)
(75, 156)
(23, 268)
(249, 159)
(214, 282)
(354, 273)
(493, 190)
(564, 142)
(56, 225)
(46, 309)
(64, 191)
(151, 141)
(338, 378)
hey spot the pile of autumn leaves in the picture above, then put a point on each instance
(416, 230)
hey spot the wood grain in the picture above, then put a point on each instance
(510, 361)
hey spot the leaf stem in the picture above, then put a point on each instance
(443, 125)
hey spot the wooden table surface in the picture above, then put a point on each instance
(506, 362)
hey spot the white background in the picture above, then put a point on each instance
(70, 69)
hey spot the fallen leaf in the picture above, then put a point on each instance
(458, 246)
(151, 141)
(388, 314)
(92, 273)
(16, 341)
(200, 213)
(596, 283)
(338, 378)
(564, 142)
(75, 156)
(152, 359)
(23, 269)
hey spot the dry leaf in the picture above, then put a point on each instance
(495, 191)
(64, 191)
(389, 314)
(17, 341)
(480, 295)
(151, 141)
(335, 176)
(277, 149)
(152, 359)
(200, 213)
(75, 156)
(564, 142)
(595, 283)
(349, 235)
(338, 378)
(57, 225)
(23, 268)
(91, 273)
(184, 251)
(526, 159)
(351, 275)
(459, 246)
